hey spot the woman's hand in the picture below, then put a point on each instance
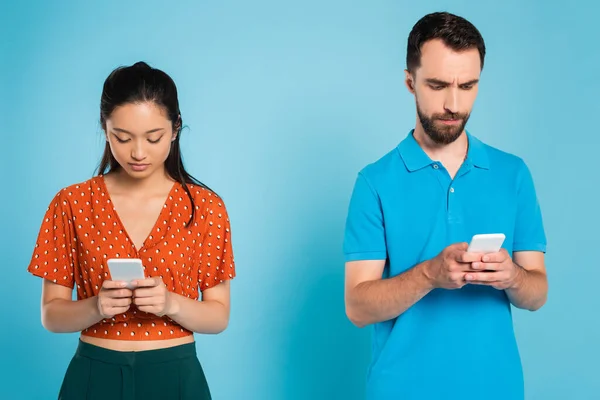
(114, 298)
(151, 295)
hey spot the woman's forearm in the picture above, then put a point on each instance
(209, 316)
(67, 316)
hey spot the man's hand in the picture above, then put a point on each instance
(496, 270)
(449, 268)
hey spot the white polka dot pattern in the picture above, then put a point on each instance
(81, 230)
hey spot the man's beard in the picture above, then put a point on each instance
(437, 131)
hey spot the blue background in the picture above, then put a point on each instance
(290, 101)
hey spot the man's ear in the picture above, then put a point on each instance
(409, 80)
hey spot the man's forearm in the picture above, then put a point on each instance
(530, 289)
(384, 299)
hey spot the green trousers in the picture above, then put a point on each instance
(96, 373)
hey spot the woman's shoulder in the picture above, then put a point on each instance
(76, 192)
(207, 202)
(203, 194)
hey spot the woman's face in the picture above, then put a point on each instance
(140, 136)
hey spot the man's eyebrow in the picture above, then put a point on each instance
(435, 81)
(439, 82)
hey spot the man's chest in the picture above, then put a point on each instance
(422, 216)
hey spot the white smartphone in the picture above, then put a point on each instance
(486, 243)
(126, 270)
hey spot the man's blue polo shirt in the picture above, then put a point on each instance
(405, 209)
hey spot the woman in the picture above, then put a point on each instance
(138, 343)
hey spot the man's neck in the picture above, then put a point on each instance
(451, 153)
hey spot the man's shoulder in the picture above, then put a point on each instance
(507, 161)
(382, 169)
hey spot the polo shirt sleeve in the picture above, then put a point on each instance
(529, 227)
(52, 257)
(364, 237)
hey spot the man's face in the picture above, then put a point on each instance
(445, 87)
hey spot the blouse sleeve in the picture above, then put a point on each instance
(52, 257)
(216, 259)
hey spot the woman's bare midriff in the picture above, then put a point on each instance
(131, 345)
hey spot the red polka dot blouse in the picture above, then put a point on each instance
(81, 231)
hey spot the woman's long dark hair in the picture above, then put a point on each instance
(142, 83)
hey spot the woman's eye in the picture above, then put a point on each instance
(121, 140)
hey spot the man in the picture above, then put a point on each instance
(442, 315)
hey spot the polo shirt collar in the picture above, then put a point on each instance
(415, 158)
(477, 154)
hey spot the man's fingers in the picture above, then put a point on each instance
(491, 266)
(484, 277)
(466, 257)
(462, 246)
(460, 267)
(498, 257)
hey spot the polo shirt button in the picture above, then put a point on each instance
(451, 190)
(435, 166)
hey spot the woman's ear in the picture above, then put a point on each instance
(176, 128)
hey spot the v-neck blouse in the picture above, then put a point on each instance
(81, 231)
